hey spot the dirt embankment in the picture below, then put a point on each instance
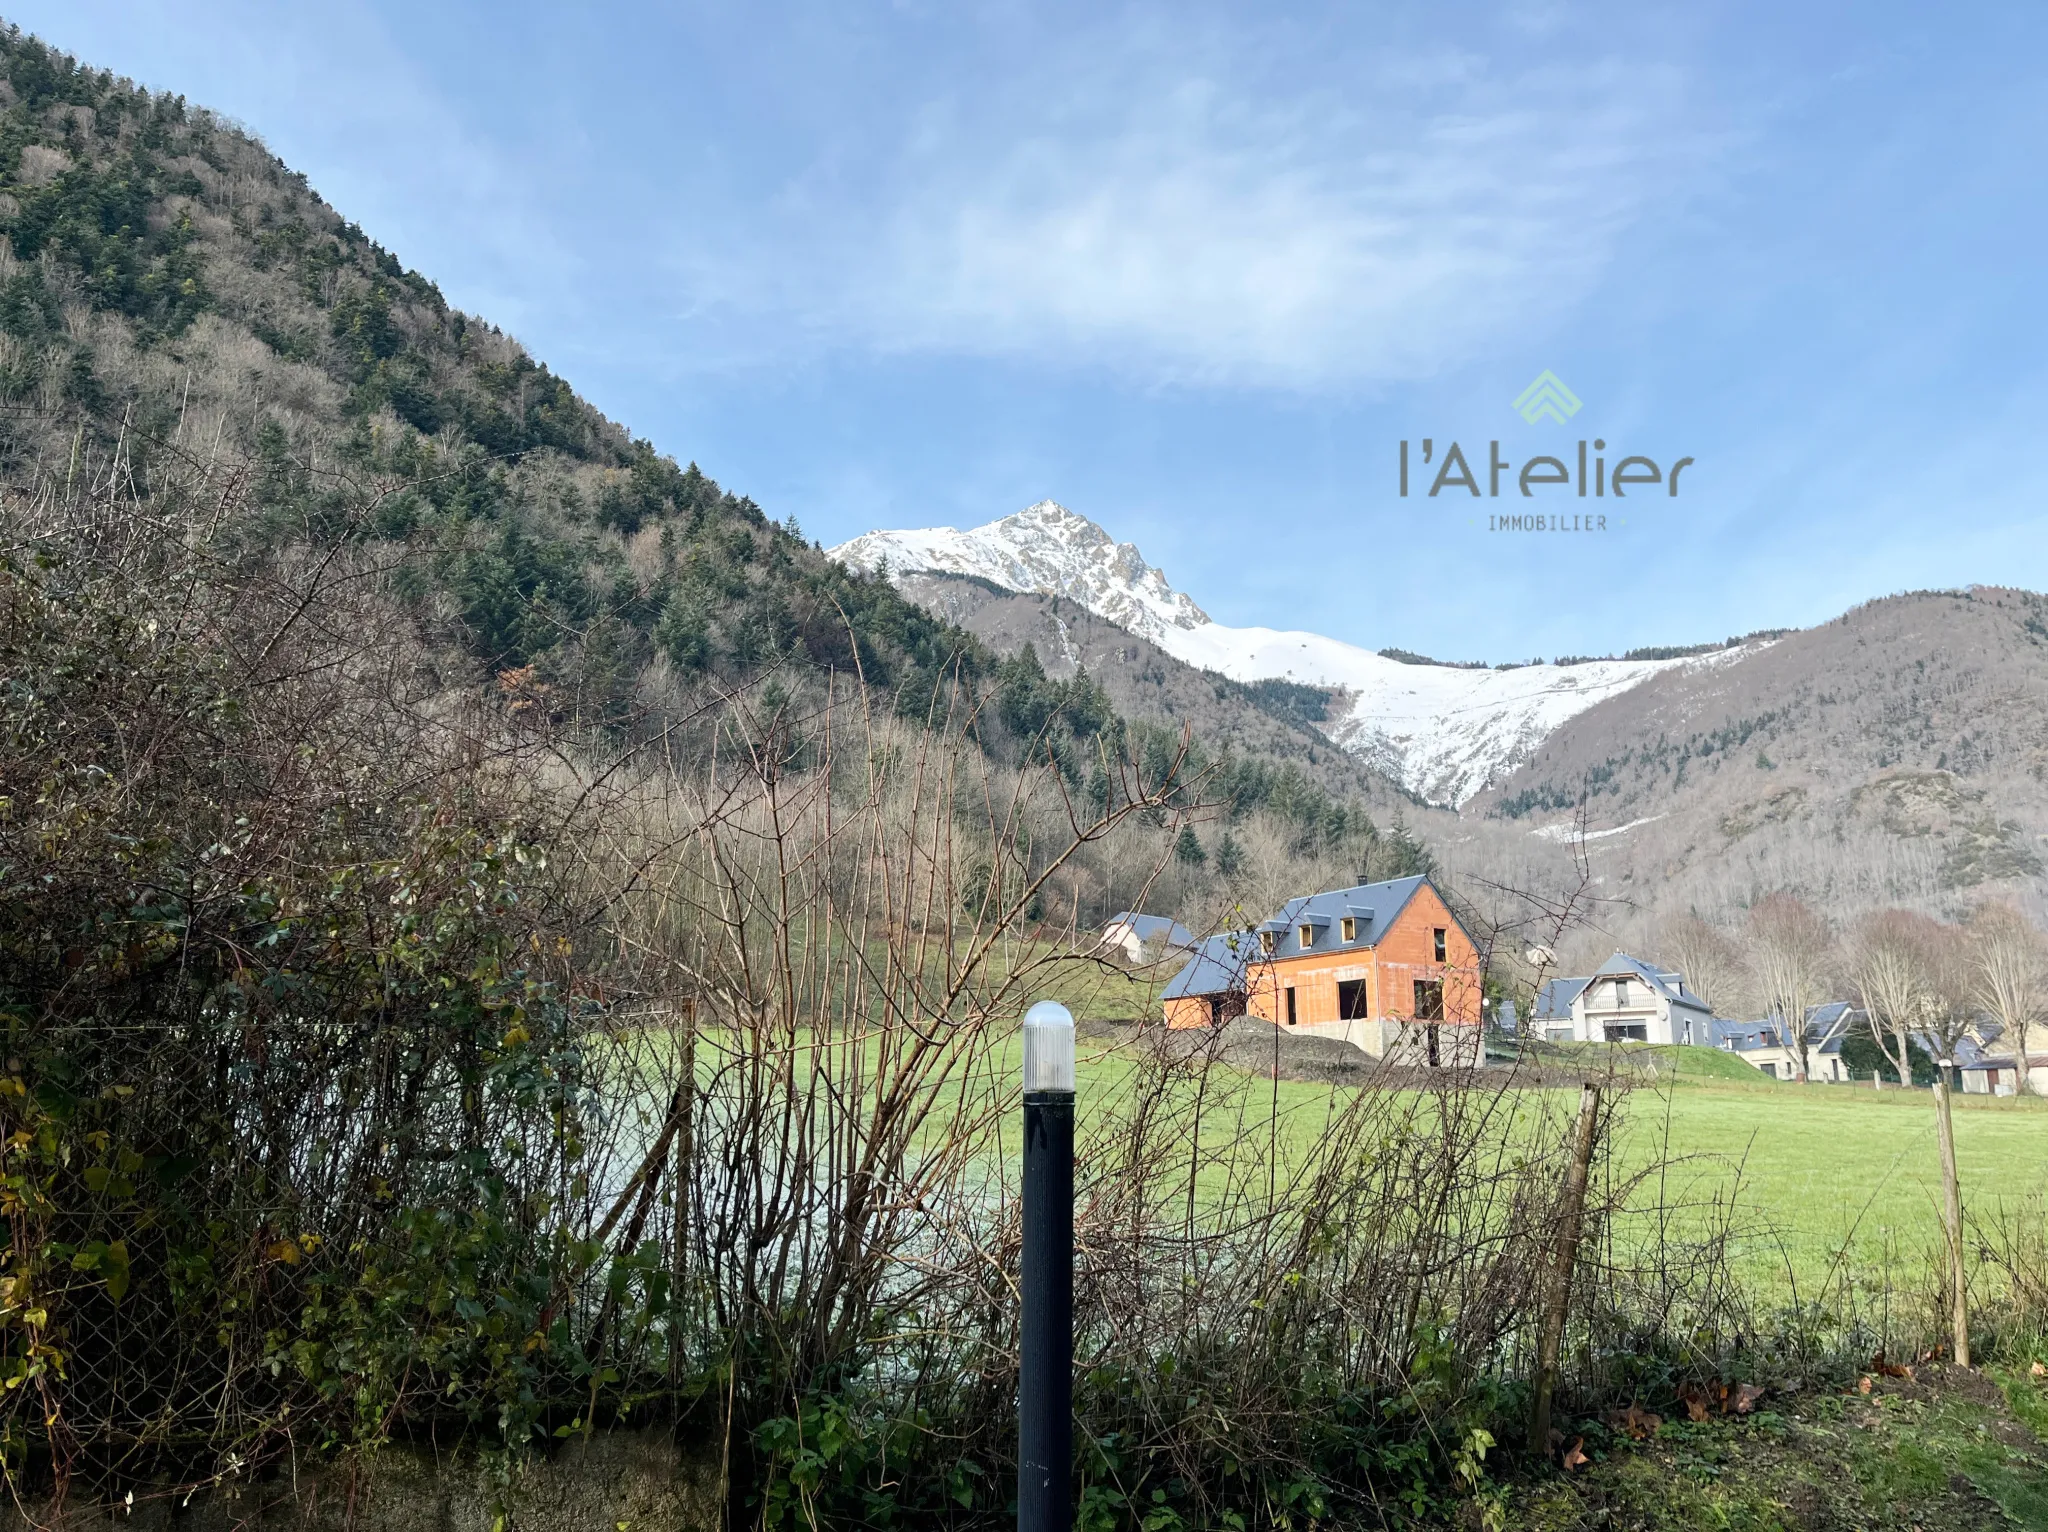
(1260, 1048)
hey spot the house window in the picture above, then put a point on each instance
(1621, 992)
(1630, 1032)
(1290, 1005)
(1308, 937)
(1350, 929)
(1352, 1004)
(1266, 943)
(1440, 943)
(1429, 1000)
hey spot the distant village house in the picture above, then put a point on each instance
(1624, 1001)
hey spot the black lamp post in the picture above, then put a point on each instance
(1045, 1386)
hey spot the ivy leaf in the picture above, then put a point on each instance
(115, 1265)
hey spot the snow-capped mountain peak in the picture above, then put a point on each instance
(1046, 549)
(1445, 732)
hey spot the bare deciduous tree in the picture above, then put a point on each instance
(1703, 954)
(1949, 1004)
(1791, 950)
(2011, 970)
(1889, 959)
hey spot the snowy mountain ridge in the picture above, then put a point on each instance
(1443, 732)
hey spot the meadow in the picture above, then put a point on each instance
(1802, 1173)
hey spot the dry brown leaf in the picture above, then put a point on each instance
(1746, 1397)
(1637, 1422)
(2038, 1370)
(1864, 1386)
(1576, 1458)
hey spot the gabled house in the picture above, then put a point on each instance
(1145, 938)
(1383, 965)
(1624, 1000)
(1767, 1045)
(1985, 1064)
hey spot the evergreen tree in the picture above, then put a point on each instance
(1188, 849)
(1229, 856)
(1400, 855)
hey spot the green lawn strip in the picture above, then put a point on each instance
(1940, 1452)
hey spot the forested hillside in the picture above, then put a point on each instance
(170, 291)
(171, 294)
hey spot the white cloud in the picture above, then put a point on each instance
(1184, 225)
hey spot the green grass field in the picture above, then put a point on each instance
(1816, 1167)
(1811, 1169)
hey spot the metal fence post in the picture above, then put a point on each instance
(1045, 1385)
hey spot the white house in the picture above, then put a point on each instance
(1146, 938)
(1626, 1000)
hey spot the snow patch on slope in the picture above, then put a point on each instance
(1445, 733)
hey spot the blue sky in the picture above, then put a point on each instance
(1195, 272)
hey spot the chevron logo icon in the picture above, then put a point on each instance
(1547, 396)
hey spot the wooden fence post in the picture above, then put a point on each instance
(1550, 1340)
(1952, 1211)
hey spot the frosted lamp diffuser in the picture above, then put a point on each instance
(1049, 1047)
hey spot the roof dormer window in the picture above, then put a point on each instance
(1266, 943)
(1308, 937)
(1350, 929)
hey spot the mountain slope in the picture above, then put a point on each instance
(1897, 753)
(1277, 722)
(1444, 732)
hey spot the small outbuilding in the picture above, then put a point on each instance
(1146, 938)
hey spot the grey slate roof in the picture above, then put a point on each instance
(1373, 905)
(1661, 980)
(1217, 966)
(1827, 1027)
(1219, 963)
(1554, 1000)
